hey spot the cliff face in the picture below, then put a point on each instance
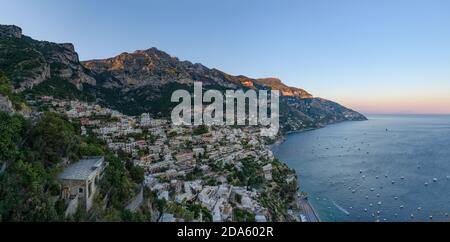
(286, 91)
(10, 31)
(28, 62)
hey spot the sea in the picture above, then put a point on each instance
(391, 168)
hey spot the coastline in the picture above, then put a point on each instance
(308, 211)
(331, 189)
(315, 212)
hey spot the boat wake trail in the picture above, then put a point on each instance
(340, 208)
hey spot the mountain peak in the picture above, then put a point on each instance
(10, 31)
(156, 68)
(152, 52)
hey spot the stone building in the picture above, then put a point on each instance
(80, 182)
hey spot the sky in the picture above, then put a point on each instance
(375, 56)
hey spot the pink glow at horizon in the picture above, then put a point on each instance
(398, 105)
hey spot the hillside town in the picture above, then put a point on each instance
(229, 172)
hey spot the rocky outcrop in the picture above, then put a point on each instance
(64, 63)
(286, 91)
(6, 105)
(10, 31)
(29, 62)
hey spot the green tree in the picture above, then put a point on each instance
(26, 194)
(117, 184)
(54, 138)
(200, 130)
(11, 130)
(5, 85)
(242, 215)
(6, 90)
(137, 174)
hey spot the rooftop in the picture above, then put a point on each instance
(82, 170)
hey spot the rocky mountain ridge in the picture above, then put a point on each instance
(142, 81)
(286, 91)
(157, 68)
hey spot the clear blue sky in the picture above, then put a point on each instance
(372, 55)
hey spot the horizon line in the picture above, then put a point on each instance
(405, 114)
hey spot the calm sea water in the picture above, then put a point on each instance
(390, 168)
